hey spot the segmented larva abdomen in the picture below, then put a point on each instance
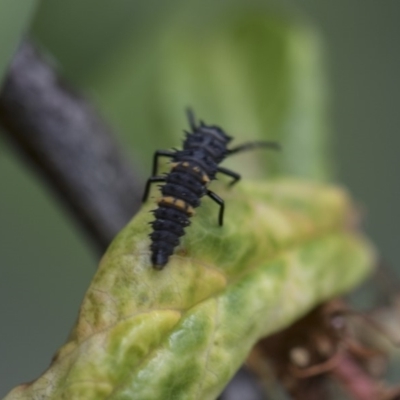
(168, 227)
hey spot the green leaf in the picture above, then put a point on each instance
(254, 74)
(181, 333)
(15, 16)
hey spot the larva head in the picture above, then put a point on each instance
(205, 132)
(214, 131)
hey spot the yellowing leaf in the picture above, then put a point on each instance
(181, 333)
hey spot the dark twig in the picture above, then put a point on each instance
(61, 135)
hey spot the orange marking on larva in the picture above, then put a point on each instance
(178, 203)
(196, 169)
(184, 164)
(205, 179)
(190, 210)
(166, 200)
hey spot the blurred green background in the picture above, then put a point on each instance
(129, 56)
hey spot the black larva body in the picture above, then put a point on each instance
(192, 169)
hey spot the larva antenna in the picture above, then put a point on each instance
(191, 118)
(253, 145)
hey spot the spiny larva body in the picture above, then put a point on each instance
(192, 169)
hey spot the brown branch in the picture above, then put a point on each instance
(65, 140)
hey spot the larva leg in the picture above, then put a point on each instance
(221, 204)
(151, 180)
(236, 177)
(160, 153)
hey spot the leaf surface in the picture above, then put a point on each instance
(181, 333)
